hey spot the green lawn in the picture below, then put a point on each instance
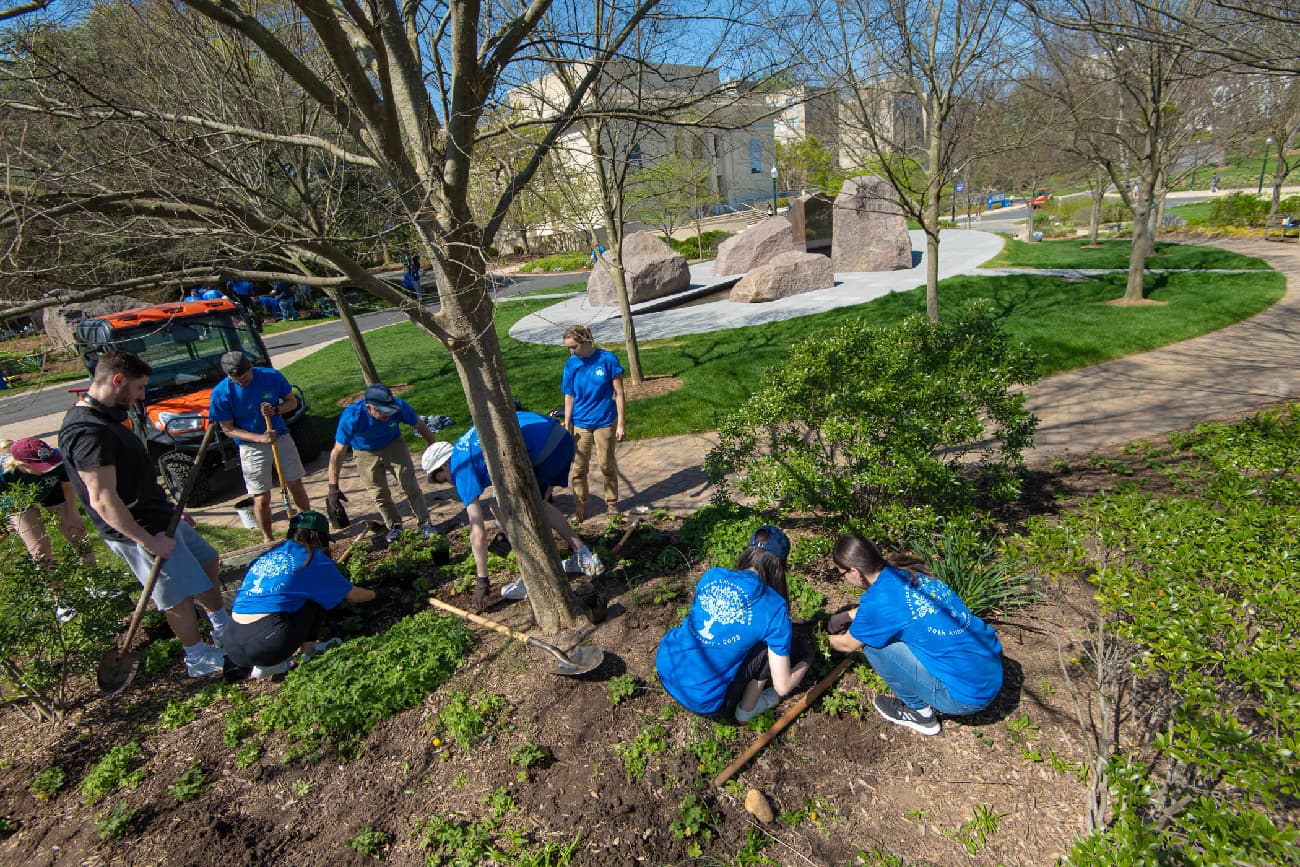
(1075, 253)
(1064, 322)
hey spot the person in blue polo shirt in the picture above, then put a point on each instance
(594, 410)
(550, 451)
(372, 428)
(279, 608)
(936, 656)
(237, 404)
(737, 637)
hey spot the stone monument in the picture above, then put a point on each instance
(755, 246)
(651, 267)
(870, 232)
(812, 222)
(790, 273)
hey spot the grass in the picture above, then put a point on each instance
(282, 325)
(1063, 322)
(226, 539)
(1074, 253)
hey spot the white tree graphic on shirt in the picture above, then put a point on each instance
(724, 603)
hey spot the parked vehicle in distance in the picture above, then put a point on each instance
(1041, 197)
(998, 200)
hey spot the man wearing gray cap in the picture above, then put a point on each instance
(240, 403)
(372, 428)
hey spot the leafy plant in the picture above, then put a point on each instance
(750, 853)
(650, 741)
(159, 655)
(177, 714)
(711, 752)
(720, 531)
(695, 819)
(47, 782)
(874, 424)
(975, 831)
(248, 754)
(467, 719)
(620, 688)
(116, 822)
(806, 601)
(113, 772)
(371, 842)
(300, 788)
(970, 565)
(842, 702)
(337, 699)
(528, 755)
(189, 784)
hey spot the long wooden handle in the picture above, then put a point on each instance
(275, 456)
(481, 621)
(797, 708)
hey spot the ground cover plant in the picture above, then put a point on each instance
(1065, 324)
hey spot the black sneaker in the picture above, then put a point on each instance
(896, 712)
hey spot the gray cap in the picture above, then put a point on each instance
(235, 362)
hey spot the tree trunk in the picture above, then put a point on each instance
(1137, 260)
(367, 364)
(634, 374)
(468, 313)
(1094, 222)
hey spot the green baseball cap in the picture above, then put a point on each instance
(311, 520)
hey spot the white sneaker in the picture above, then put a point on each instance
(207, 661)
(767, 699)
(260, 671)
(319, 648)
(515, 590)
(217, 638)
(571, 565)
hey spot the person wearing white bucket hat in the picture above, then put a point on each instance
(550, 450)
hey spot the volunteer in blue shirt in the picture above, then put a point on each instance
(592, 385)
(212, 293)
(237, 404)
(550, 451)
(372, 428)
(737, 637)
(279, 608)
(919, 636)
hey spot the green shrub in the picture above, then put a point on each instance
(113, 772)
(47, 782)
(559, 262)
(371, 842)
(1239, 209)
(875, 424)
(468, 720)
(116, 822)
(691, 247)
(158, 655)
(189, 784)
(720, 531)
(343, 694)
(970, 565)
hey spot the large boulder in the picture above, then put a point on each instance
(652, 268)
(870, 231)
(61, 322)
(790, 273)
(755, 246)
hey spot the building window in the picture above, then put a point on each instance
(755, 157)
(634, 159)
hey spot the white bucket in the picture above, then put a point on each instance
(244, 509)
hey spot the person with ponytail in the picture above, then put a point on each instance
(936, 656)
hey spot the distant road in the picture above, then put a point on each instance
(26, 405)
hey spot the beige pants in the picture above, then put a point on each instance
(374, 467)
(603, 441)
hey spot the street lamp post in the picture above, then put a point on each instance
(1268, 141)
(954, 195)
(1196, 157)
(774, 176)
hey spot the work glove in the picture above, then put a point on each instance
(481, 587)
(839, 623)
(436, 423)
(334, 501)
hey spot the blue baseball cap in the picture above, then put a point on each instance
(381, 398)
(776, 542)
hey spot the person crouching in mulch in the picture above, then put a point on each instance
(279, 607)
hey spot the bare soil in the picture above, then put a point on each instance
(839, 784)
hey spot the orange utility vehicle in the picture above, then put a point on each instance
(183, 342)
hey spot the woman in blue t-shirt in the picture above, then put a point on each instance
(279, 607)
(919, 636)
(737, 637)
(592, 385)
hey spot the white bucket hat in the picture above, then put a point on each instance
(434, 457)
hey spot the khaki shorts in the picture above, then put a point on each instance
(257, 462)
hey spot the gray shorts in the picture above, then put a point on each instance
(257, 462)
(182, 574)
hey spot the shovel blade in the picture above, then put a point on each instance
(116, 670)
(580, 661)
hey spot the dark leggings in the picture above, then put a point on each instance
(755, 667)
(274, 638)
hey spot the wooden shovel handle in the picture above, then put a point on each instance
(275, 456)
(795, 709)
(481, 621)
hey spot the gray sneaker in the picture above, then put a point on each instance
(900, 714)
(394, 533)
(261, 671)
(515, 590)
(589, 562)
(427, 531)
(767, 699)
(206, 662)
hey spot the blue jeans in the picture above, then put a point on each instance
(912, 683)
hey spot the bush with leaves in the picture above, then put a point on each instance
(720, 531)
(971, 565)
(887, 428)
(39, 650)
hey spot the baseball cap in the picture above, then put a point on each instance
(381, 398)
(435, 456)
(776, 542)
(235, 362)
(313, 521)
(36, 454)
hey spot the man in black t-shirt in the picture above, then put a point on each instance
(115, 481)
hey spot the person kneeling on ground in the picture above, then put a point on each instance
(737, 637)
(919, 636)
(550, 451)
(279, 607)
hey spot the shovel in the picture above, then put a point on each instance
(275, 456)
(116, 667)
(583, 660)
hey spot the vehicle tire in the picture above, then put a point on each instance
(307, 439)
(175, 469)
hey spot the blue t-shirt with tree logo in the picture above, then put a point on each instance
(288, 576)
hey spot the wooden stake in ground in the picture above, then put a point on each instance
(795, 709)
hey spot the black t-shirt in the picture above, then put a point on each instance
(89, 439)
(49, 486)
